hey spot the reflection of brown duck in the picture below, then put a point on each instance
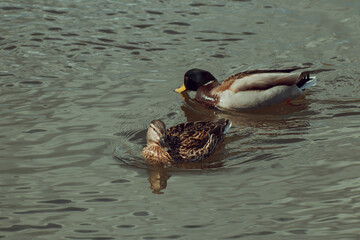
(159, 174)
(182, 143)
(158, 178)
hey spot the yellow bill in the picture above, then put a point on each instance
(181, 89)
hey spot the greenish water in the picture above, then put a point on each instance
(81, 80)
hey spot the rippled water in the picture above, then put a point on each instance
(81, 80)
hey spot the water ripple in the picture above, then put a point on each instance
(68, 209)
(80, 84)
(16, 228)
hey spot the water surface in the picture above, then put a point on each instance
(81, 80)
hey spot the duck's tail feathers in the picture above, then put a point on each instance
(311, 81)
(226, 124)
(307, 80)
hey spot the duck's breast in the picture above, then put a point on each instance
(256, 98)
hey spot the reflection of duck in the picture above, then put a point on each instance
(160, 174)
(249, 89)
(186, 142)
(158, 178)
(275, 117)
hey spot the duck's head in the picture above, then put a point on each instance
(195, 78)
(156, 133)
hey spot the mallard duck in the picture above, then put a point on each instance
(247, 90)
(185, 142)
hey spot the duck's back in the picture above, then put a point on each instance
(189, 142)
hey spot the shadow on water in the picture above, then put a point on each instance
(267, 129)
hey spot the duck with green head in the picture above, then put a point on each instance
(247, 90)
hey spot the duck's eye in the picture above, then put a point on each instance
(156, 130)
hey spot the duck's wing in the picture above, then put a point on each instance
(262, 79)
(200, 152)
(198, 129)
(195, 141)
(189, 146)
(190, 134)
(187, 128)
(213, 135)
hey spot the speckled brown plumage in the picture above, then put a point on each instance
(187, 142)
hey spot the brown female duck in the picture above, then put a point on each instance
(249, 89)
(186, 142)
